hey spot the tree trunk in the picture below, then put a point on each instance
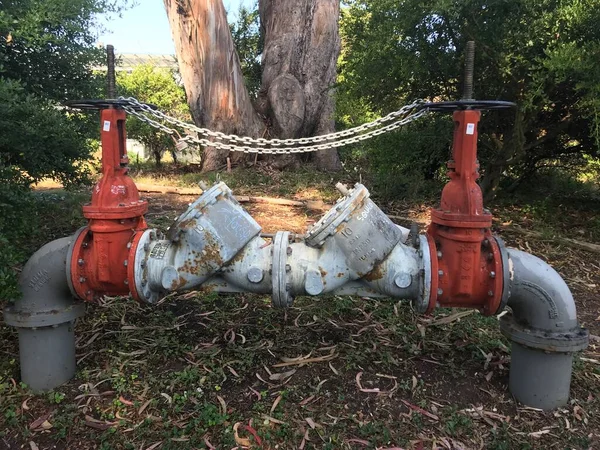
(299, 70)
(211, 73)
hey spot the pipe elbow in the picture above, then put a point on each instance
(544, 315)
(539, 297)
(47, 299)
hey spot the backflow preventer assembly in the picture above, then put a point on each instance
(354, 249)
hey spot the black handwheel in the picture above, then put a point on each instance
(467, 104)
(96, 104)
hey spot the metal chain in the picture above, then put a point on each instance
(282, 146)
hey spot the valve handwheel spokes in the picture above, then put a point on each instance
(98, 104)
(459, 105)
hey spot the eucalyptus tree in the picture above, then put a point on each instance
(300, 46)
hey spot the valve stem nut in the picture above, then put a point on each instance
(343, 189)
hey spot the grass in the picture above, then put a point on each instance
(201, 370)
(305, 182)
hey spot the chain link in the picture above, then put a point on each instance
(209, 138)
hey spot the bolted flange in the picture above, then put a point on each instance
(281, 296)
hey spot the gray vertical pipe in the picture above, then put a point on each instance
(544, 332)
(44, 317)
(111, 82)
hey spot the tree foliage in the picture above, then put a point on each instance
(157, 87)
(248, 41)
(49, 45)
(541, 54)
(46, 56)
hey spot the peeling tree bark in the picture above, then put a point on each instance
(211, 72)
(299, 69)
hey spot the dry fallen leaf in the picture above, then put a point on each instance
(223, 404)
(244, 442)
(420, 410)
(282, 375)
(311, 423)
(39, 421)
(275, 403)
(362, 389)
(125, 401)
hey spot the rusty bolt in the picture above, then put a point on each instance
(440, 272)
(81, 279)
(440, 291)
(84, 245)
(491, 293)
(126, 282)
(80, 262)
(125, 263)
(492, 274)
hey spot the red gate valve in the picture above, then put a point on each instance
(466, 259)
(102, 250)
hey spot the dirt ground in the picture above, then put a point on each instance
(222, 372)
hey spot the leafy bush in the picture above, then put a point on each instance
(158, 87)
(540, 54)
(37, 139)
(15, 225)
